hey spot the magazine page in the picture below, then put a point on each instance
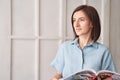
(82, 75)
(108, 75)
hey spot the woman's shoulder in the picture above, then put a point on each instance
(102, 46)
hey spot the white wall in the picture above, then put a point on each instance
(32, 30)
(115, 31)
(4, 40)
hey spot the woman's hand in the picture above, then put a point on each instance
(57, 76)
(54, 78)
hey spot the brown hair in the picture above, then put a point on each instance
(92, 14)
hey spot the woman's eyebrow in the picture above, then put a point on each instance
(79, 18)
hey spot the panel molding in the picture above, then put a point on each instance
(62, 20)
(10, 39)
(85, 1)
(35, 37)
(37, 47)
(105, 21)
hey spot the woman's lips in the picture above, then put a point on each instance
(78, 29)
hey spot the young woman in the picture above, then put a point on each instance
(84, 52)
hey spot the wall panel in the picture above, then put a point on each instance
(23, 17)
(49, 18)
(4, 40)
(23, 60)
(48, 50)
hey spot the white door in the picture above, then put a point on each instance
(31, 32)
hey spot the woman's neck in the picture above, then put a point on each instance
(83, 41)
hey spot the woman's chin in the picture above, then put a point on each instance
(78, 34)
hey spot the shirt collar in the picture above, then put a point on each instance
(75, 42)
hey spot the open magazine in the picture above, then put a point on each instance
(92, 75)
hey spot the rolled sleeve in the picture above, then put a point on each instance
(108, 63)
(58, 62)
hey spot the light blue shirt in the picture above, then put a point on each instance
(71, 58)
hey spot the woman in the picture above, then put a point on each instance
(84, 52)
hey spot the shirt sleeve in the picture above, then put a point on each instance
(58, 62)
(107, 62)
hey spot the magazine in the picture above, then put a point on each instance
(92, 75)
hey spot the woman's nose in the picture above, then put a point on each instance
(77, 23)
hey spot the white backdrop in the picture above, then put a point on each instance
(32, 30)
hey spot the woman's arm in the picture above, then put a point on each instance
(57, 76)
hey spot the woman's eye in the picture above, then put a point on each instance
(81, 19)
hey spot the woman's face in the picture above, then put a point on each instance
(81, 23)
